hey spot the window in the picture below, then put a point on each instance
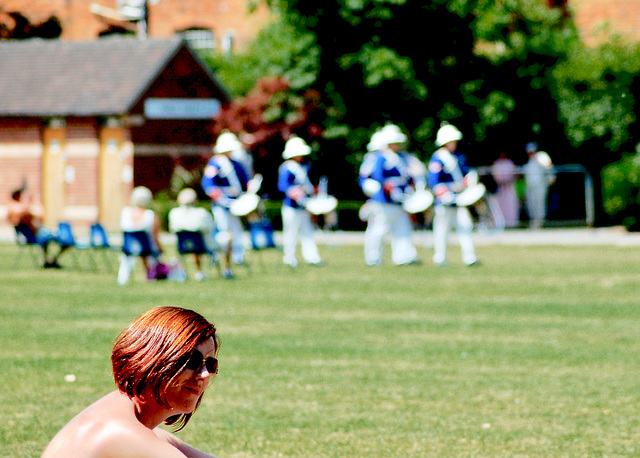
(227, 42)
(200, 39)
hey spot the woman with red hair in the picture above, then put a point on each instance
(162, 364)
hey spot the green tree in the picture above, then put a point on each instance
(481, 65)
(504, 72)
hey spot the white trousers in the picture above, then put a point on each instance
(383, 219)
(229, 227)
(296, 225)
(536, 198)
(446, 217)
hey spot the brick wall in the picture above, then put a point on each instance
(166, 17)
(20, 155)
(595, 17)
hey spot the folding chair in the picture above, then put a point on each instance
(135, 244)
(99, 242)
(192, 242)
(27, 240)
(261, 233)
(66, 239)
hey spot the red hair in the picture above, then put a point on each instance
(155, 348)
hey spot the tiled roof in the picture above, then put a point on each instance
(93, 78)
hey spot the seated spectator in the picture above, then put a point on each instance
(188, 217)
(22, 211)
(139, 217)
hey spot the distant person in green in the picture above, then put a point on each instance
(162, 365)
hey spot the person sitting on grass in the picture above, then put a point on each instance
(26, 215)
(162, 365)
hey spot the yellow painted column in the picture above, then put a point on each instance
(53, 166)
(115, 172)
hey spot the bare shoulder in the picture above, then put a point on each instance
(123, 440)
(108, 429)
(185, 449)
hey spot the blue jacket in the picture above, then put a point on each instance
(224, 175)
(293, 174)
(446, 175)
(385, 167)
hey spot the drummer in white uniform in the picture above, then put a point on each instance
(449, 175)
(385, 178)
(294, 183)
(224, 180)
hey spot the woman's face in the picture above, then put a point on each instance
(189, 386)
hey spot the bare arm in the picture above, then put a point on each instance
(156, 231)
(182, 446)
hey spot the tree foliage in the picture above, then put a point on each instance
(621, 191)
(481, 65)
(504, 72)
(596, 91)
(18, 26)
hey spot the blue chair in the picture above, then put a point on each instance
(192, 242)
(138, 243)
(67, 241)
(261, 234)
(99, 242)
(27, 241)
(135, 244)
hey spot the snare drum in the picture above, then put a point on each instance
(418, 202)
(321, 205)
(471, 195)
(244, 204)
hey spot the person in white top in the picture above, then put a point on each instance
(188, 217)
(538, 176)
(139, 217)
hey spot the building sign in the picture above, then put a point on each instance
(155, 108)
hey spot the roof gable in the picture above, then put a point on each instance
(93, 78)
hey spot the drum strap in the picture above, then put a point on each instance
(301, 177)
(228, 171)
(451, 165)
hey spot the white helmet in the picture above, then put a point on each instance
(390, 134)
(227, 142)
(447, 133)
(375, 144)
(295, 147)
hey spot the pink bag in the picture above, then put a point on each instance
(159, 271)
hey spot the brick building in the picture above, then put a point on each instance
(83, 122)
(596, 19)
(219, 24)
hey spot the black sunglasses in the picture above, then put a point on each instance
(197, 360)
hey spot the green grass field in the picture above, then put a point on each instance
(534, 353)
